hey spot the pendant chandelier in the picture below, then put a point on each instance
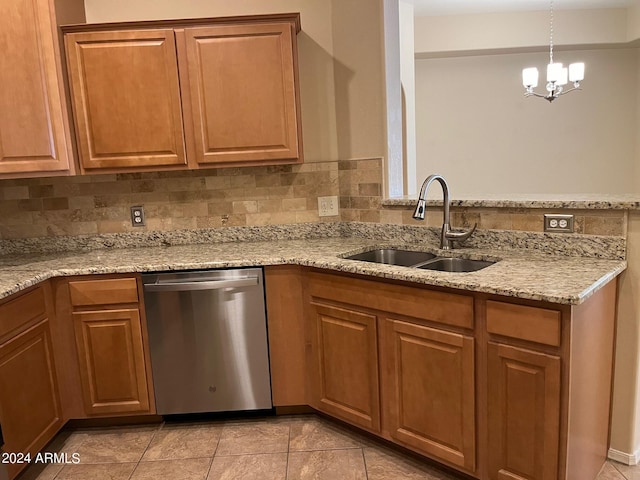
(557, 75)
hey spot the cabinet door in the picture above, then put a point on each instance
(30, 411)
(111, 360)
(523, 414)
(33, 129)
(126, 99)
(243, 93)
(429, 391)
(345, 348)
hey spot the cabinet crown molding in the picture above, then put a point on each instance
(293, 18)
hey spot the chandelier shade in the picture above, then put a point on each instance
(557, 74)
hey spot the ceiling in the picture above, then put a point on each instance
(457, 7)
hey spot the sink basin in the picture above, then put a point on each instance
(424, 260)
(392, 256)
(455, 265)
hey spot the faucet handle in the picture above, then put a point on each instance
(460, 236)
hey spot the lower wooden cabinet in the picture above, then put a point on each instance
(102, 323)
(523, 413)
(346, 356)
(429, 386)
(408, 382)
(30, 410)
(500, 389)
(111, 361)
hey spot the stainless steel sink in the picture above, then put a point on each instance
(424, 260)
(392, 256)
(455, 265)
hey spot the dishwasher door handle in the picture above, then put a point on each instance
(204, 285)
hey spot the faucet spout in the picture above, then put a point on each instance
(422, 198)
(446, 235)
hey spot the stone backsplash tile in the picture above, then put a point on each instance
(360, 189)
(589, 222)
(250, 196)
(227, 197)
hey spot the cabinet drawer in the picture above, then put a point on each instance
(441, 307)
(103, 292)
(21, 310)
(538, 325)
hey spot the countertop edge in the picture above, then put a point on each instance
(336, 264)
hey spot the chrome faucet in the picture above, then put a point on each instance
(446, 235)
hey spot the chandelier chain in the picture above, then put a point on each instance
(551, 33)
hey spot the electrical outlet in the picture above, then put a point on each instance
(328, 206)
(554, 222)
(137, 216)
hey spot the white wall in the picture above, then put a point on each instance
(633, 21)
(476, 128)
(625, 418)
(408, 79)
(456, 33)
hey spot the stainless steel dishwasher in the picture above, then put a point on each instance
(208, 340)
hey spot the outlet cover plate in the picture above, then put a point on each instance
(328, 206)
(558, 223)
(137, 216)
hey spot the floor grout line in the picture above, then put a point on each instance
(364, 462)
(313, 431)
(286, 467)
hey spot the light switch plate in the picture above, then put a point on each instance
(328, 206)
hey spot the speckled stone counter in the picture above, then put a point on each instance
(530, 200)
(521, 273)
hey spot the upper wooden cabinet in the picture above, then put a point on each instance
(242, 90)
(34, 128)
(168, 95)
(126, 99)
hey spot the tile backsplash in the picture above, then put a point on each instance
(98, 204)
(238, 197)
(589, 222)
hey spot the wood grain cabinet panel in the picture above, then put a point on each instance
(284, 297)
(242, 89)
(111, 360)
(523, 414)
(21, 309)
(345, 347)
(430, 390)
(103, 292)
(34, 131)
(30, 411)
(185, 93)
(126, 99)
(534, 324)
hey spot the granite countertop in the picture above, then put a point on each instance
(521, 273)
(531, 200)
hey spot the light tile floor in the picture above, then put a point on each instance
(276, 448)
